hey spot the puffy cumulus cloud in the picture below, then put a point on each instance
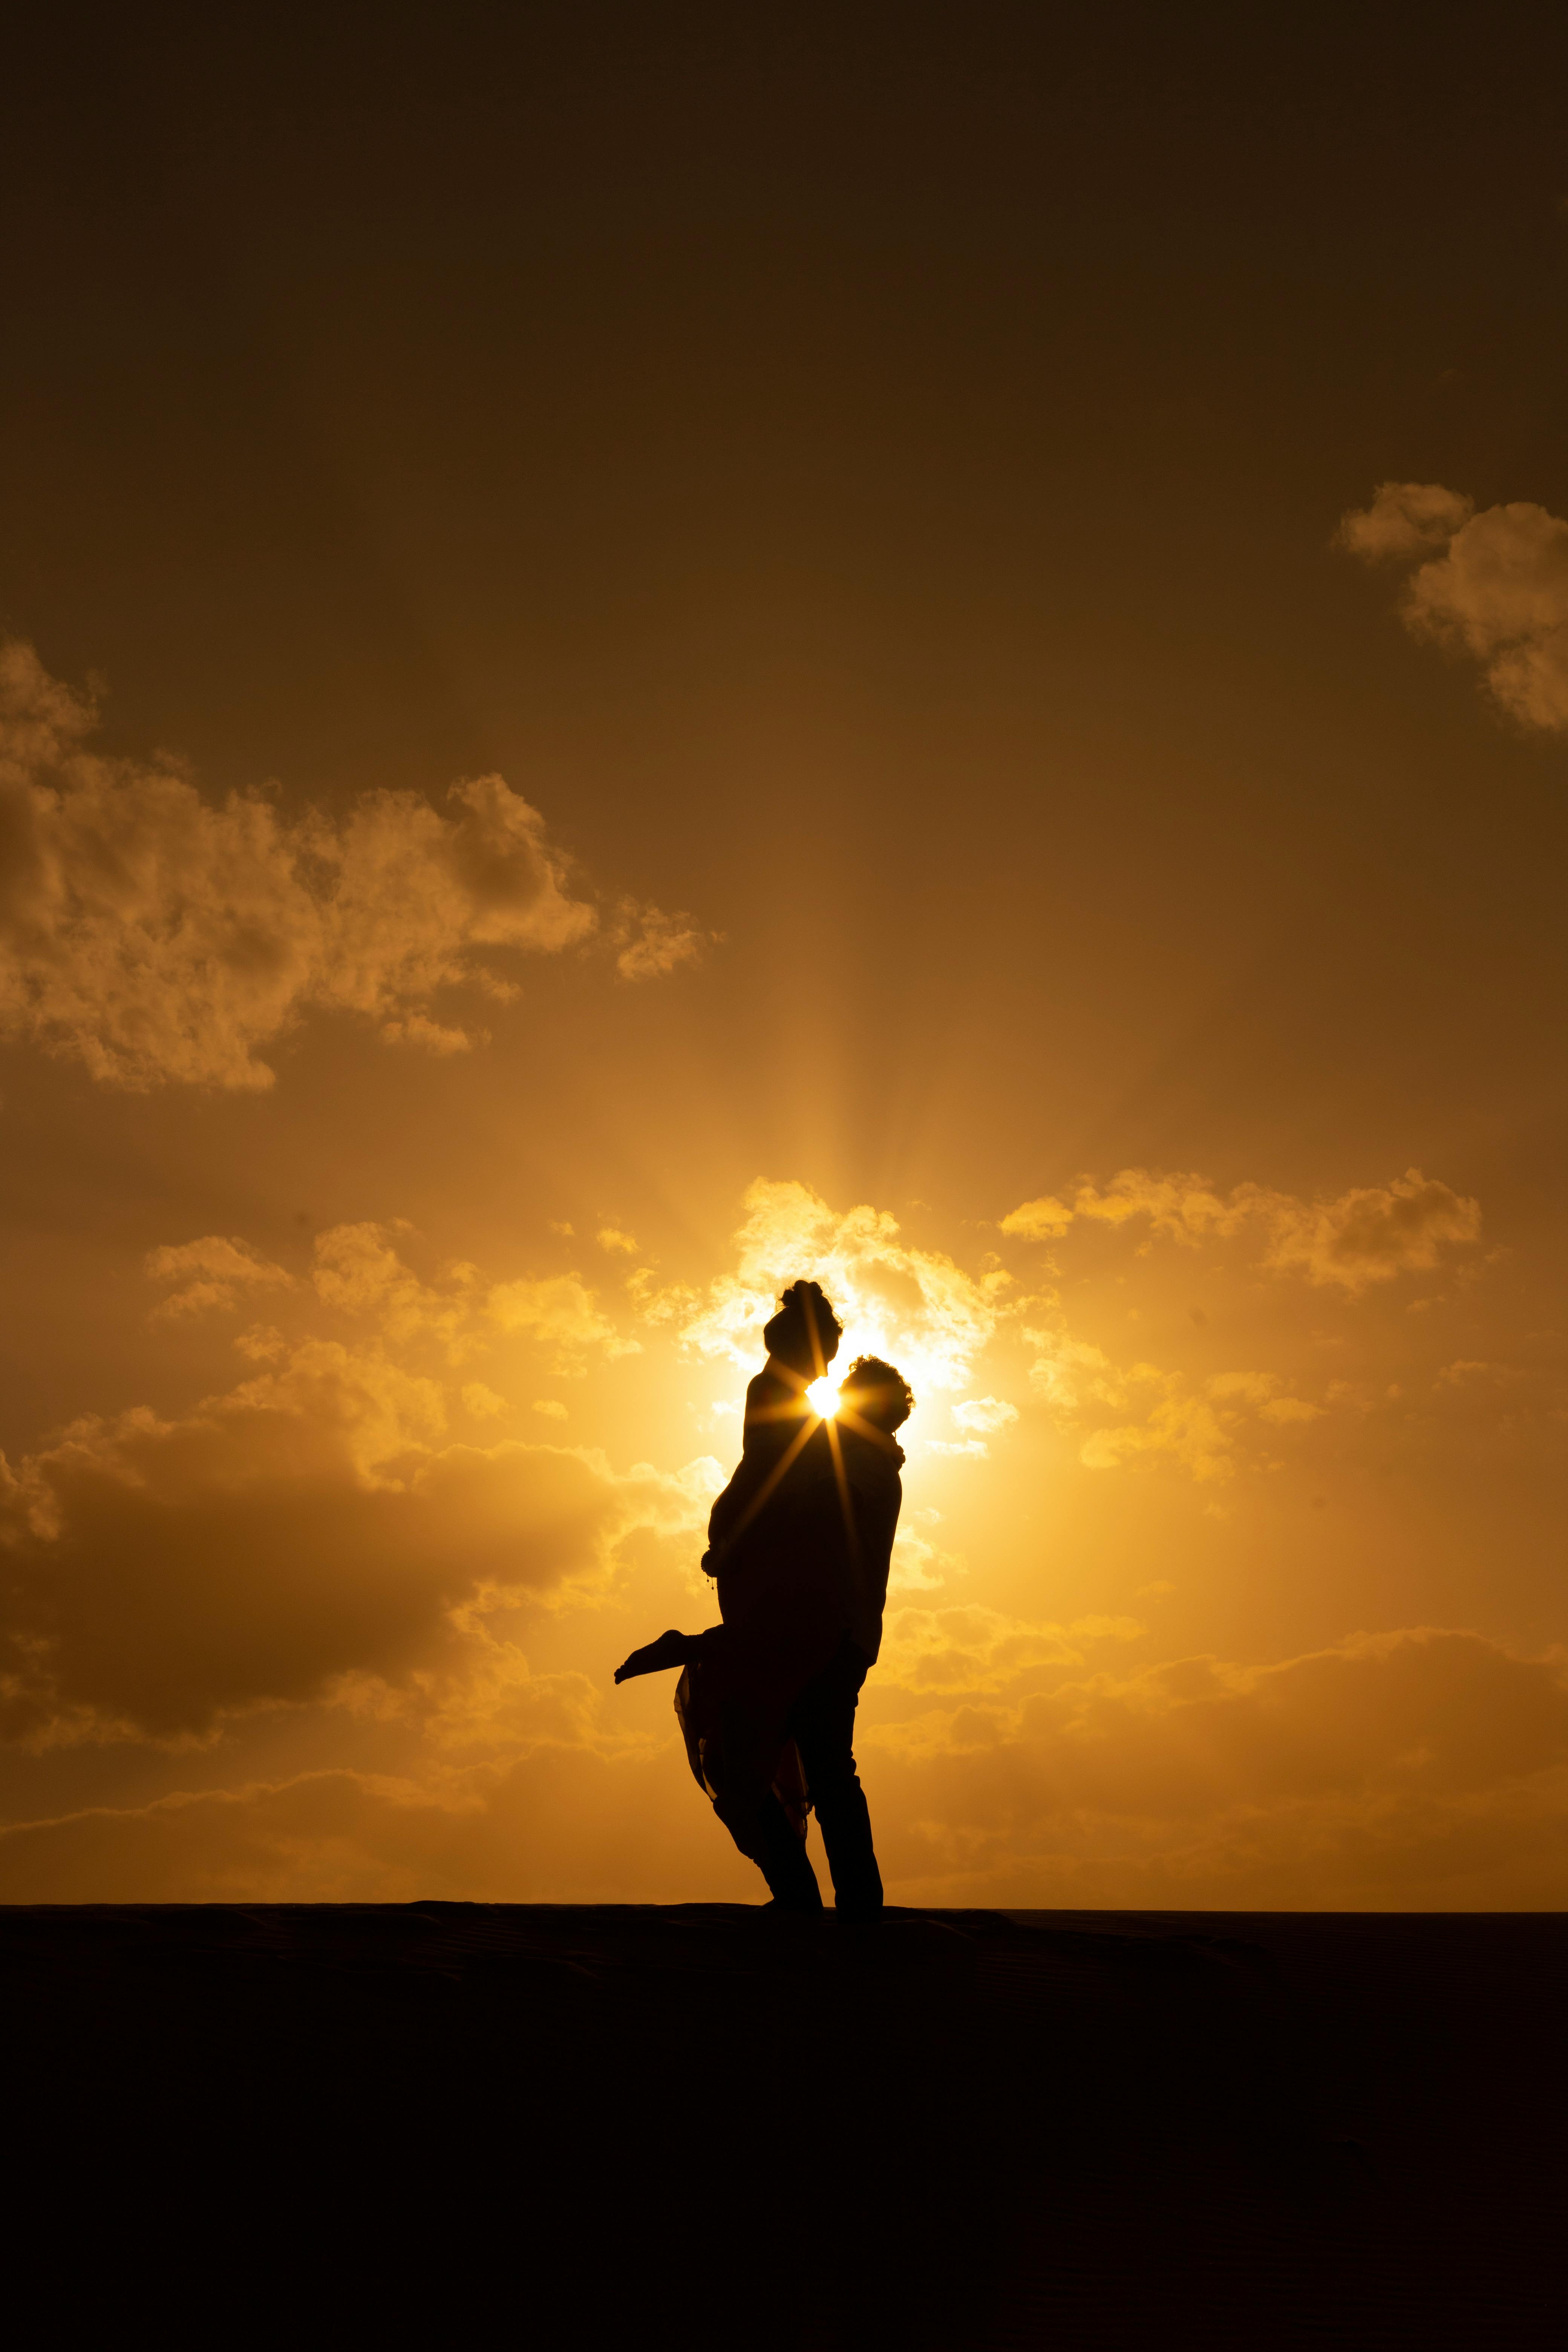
(649, 943)
(1190, 1430)
(482, 1402)
(1494, 585)
(1422, 1767)
(413, 890)
(1404, 520)
(418, 1029)
(156, 937)
(920, 1564)
(306, 1531)
(211, 1273)
(1370, 1233)
(1038, 1220)
(1418, 1769)
(359, 1272)
(1196, 1426)
(974, 1649)
(984, 1415)
(1183, 1208)
(1069, 1373)
(334, 1836)
(499, 1704)
(916, 1308)
(560, 1311)
(560, 1822)
(263, 1343)
(1284, 1410)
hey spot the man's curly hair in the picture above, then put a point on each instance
(878, 1392)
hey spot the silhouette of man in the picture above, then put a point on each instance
(799, 1542)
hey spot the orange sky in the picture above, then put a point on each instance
(647, 656)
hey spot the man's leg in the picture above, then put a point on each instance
(823, 1723)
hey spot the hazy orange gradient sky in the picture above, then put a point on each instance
(650, 650)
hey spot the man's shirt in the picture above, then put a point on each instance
(871, 1469)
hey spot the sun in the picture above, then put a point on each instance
(823, 1398)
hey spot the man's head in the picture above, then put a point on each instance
(805, 1332)
(878, 1393)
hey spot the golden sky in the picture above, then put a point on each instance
(645, 654)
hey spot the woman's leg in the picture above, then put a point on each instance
(766, 1835)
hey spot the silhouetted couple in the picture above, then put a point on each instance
(799, 1543)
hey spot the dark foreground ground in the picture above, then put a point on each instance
(461, 2122)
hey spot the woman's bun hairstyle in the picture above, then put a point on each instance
(805, 1332)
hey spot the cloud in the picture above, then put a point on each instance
(417, 1030)
(157, 938)
(359, 1272)
(1210, 1427)
(263, 1343)
(1283, 1410)
(918, 1565)
(1191, 1429)
(306, 1527)
(560, 1819)
(1414, 1769)
(916, 1308)
(985, 1414)
(611, 1238)
(1406, 520)
(1198, 1427)
(1422, 1769)
(1069, 1373)
(1370, 1233)
(974, 1649)
(1038, 1220)
(651, 943)
(1494, 585)
(558, 1309)
(211, 1273)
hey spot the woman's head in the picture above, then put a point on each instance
(805, 1332)
(878, 1393)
